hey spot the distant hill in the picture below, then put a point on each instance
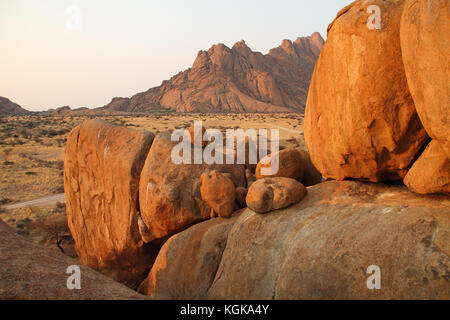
(9, 108)
(234, 80)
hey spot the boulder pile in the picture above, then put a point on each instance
(320, 248)
(378, 95)
(377, 111)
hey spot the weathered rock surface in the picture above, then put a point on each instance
(288, 162)
(188, 262)
(102, 165)
(320, 248)
(219, 192)
(431, 172)
(426, 56)
(169, 193)
(268, 194)
(33, 272)
(360, 119)
(235, 80)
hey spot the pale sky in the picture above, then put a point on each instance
(125, 47)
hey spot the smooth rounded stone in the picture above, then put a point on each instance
(290, 165)
(431, 172)
(426, 56)
(268, 194)
(219, 192)
(360, 119)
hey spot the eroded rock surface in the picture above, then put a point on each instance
(33, 272)
(360, 120)
(169, 193)
(319, 248)
(426, 57)
(102, 166)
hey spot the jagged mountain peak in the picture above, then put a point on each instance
(235, 80)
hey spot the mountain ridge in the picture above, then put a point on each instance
(9, 108)
(236, 79)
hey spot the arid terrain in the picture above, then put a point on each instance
(32, 160)
(354, 206)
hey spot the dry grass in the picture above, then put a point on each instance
(32, 154)
(32, 147)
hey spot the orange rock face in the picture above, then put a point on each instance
(102, 164)
(319, 248)
(218, 192)
(426, 55)
(169, 193)
(290, 165)
(360, 119)
(237, 79)
(200, 248)
(268, 194)
(431, 172)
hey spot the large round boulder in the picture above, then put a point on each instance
(270, 194)
(431, 172)
(360, 120)
(286, 163)
(426, 56)
(102, 165)
(169, 192)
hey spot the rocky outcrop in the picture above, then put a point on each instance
(268, 194)
(169, 193)
(426, 57)
(9, 108)
(199, 247)
(102, 166)
(235, 80)
(320, 248)
(33, 272)
(431, 172)
(360, 120)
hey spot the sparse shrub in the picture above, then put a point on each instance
(54, 229)
(5, 201)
